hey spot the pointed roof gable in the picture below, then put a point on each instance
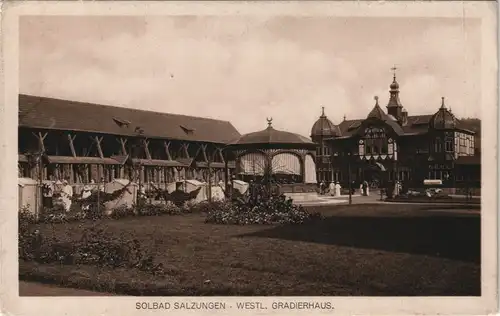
(377, 111)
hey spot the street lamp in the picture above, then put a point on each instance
(349, 176)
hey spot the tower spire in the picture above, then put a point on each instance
(394, 106)
(394, 68)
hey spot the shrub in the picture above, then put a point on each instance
(26, 235)
(156, 209)
(275, 210)
(94, 247)
(56, 214)
(123, 211)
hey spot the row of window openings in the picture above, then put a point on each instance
(81, 175)
(383, 148)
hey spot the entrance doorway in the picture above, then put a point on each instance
(371, 173)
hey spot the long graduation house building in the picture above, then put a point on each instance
(81, 142)
(411, 149)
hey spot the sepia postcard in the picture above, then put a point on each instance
(268, 158)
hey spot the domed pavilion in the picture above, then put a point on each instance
(287, 157)
(322, 130)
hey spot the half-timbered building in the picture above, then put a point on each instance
(81, 142)
(410, 148)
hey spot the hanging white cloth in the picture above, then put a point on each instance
(86, 194)
(67, 194)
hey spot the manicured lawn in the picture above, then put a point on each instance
(376, 250)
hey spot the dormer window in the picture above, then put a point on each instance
(121, 122)
(187, 130)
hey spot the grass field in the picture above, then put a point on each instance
(375, 250)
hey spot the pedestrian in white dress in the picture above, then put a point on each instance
(337, 189)
(367, 188)
(331, 187)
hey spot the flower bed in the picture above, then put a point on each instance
(95, 247)
(58, 215)
(275, 210)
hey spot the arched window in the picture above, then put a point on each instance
(375, 141)
(286, 163)
(252, 163)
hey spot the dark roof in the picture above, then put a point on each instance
(443, 119)
(417, 124)
(57, 114)
(272, 136)
(324, 127)
(377, 112)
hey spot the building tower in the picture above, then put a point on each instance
(324, 129)
(394, 106)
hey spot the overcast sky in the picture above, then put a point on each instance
(246, 69)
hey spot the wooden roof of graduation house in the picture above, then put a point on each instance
(57, 114)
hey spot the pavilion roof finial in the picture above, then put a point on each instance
(376, 99)
(322, 111)
(442, 103)
(345, 117)
(269, 122)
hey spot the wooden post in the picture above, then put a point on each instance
(204, 152)
(41, 138)
(221, 155)
(145, 144)
(123, 144)
(349, 179)
(38, 185)
(185, 150)
(227, 190)
(71, 144)
(209, 182)
(166, 145)
(98, 141)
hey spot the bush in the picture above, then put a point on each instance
(26, 234)
(123, 211)
(95, 247)
(156, 209)
(56, 215)
(275, 210)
